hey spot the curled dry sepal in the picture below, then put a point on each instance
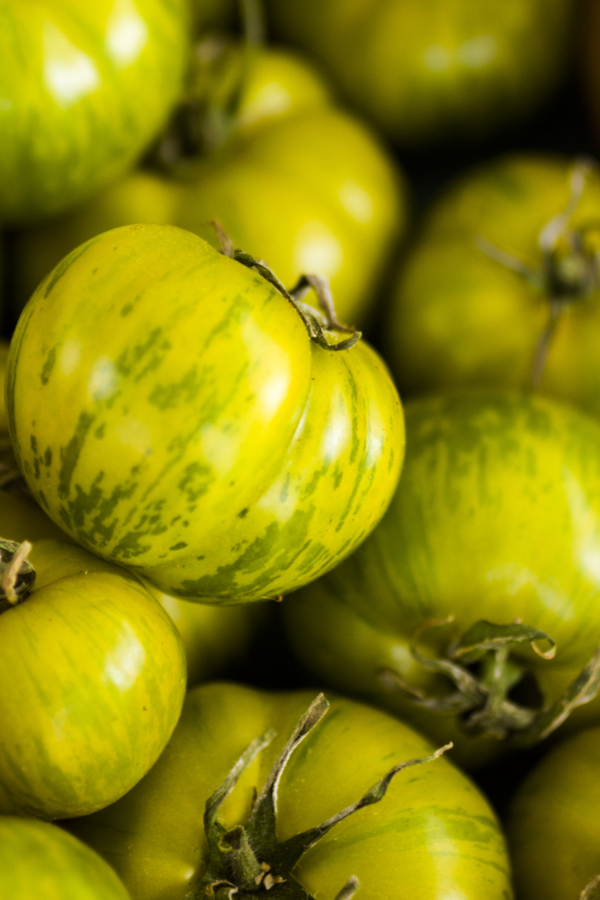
(570, 266)
(17, 575)
(592, 890)
(482, 696)
(246, 859)
(319, 325)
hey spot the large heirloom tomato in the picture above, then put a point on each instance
(92, 673)
(71, 82)
(40, 861)
(432, 835)
(170, 411)
(496, 520)
(553, 825)
(291, 177)
(502, 286)
(430, 70)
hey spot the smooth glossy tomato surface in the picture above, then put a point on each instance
(71, 80)
(553, 825)
(38, 859)
(93, 675)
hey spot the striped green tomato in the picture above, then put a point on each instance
(496, 518)
(169, 410)
(71, 82)
(431, 836)
(92, 672)
(552, 823)
(502, 287)
(40, 860)
(429, 71)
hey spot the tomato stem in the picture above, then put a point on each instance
(17, 573)
(321, 326)
(592, 890)
(219, 72)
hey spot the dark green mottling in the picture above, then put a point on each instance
(131, 546)
(195, 481)
(69, 454)
(184, 391)
(48, 366)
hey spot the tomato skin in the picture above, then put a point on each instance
(204, 426)
(71, 79)
(459, 317)
(97, 664)
(429, 71)
(299, 183)
(552, 823)
(402, 842)
(495, 517)
(38, 859)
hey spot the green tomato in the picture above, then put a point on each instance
(293, 179)
(169, 410)
(39, 860)
(432, 835)
(93, 675)
(553, 826)
(429, 71)
(502, 286)
(70, 86)
(496, 518)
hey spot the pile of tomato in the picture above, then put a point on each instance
(299, 450)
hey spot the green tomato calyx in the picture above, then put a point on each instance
(207, 117)
(248, 859)
(17, 575)
(570, 267)
(480, 666)
(323, 327)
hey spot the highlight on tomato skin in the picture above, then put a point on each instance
(92, 667)
(195, 422)
(432, 834)
(72, 75)
(258, 143)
